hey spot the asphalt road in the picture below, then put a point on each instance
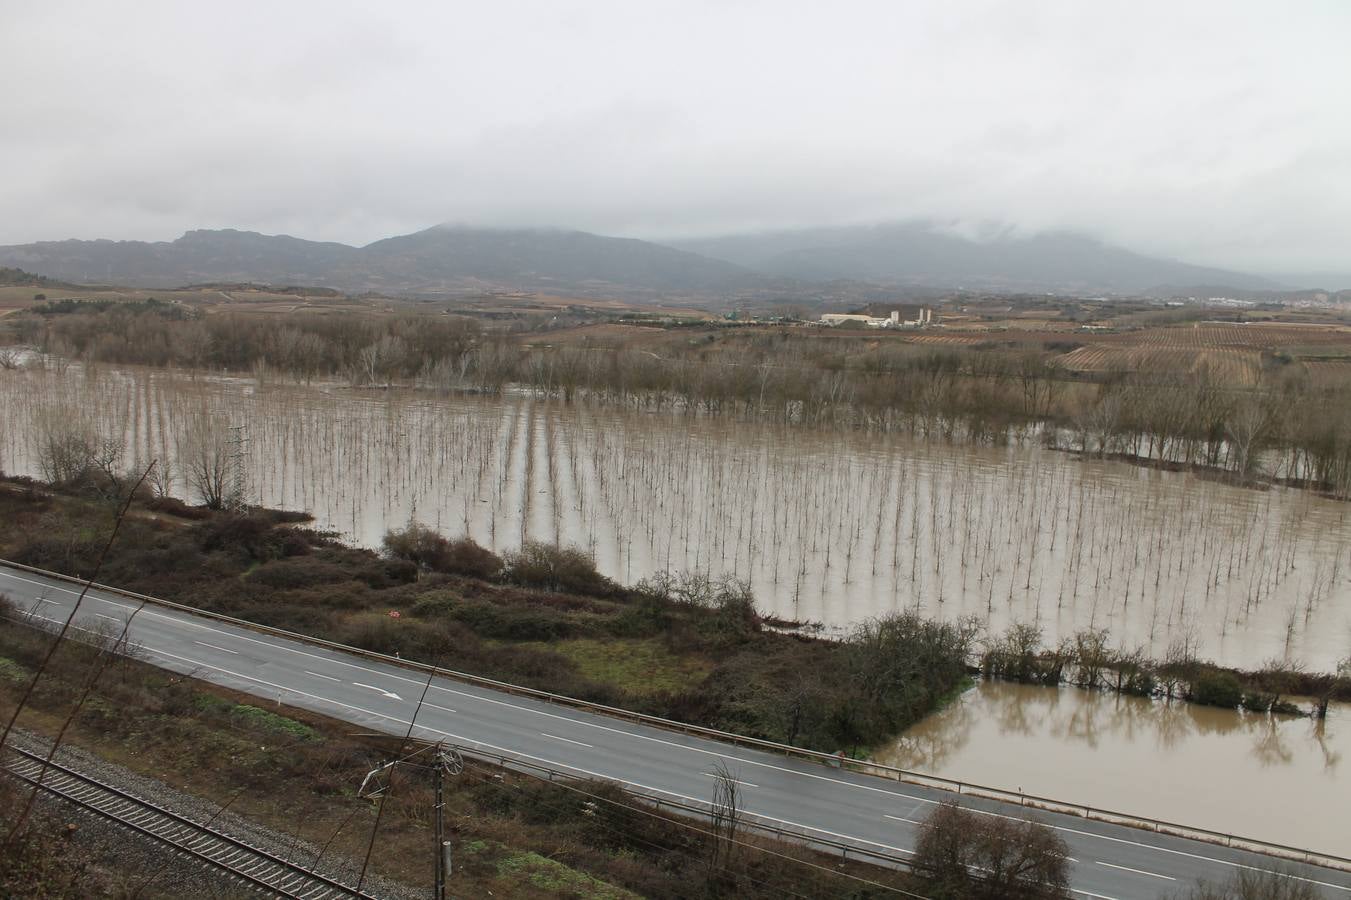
(1109, 861)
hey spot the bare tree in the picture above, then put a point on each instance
(1248, 884)
(1327, 685)
(1248, 426)
(726, 821)
(381, 360)
(210, 453)
(966, 854)
(67, 446)
(161, 478)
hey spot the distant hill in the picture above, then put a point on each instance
(19, 278)
(437, 259)
(918, 255)
(546, 258)
(786, 264)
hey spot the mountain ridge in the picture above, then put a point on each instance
(920, 254)
(450, 258)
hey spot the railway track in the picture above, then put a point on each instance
(242, 861)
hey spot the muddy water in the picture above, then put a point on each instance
(827, 526)
(1279, 779)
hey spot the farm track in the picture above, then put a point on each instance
(241, 861)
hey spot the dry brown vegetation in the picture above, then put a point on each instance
(1260, 398)
(969, 856)
(297, 773)
(542, 617)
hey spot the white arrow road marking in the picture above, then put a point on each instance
(183, 622)
(370, 687)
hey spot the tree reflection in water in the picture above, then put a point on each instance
(1168, 760)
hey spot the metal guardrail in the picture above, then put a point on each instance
(745, 817)
(254, 866)
(881, 770)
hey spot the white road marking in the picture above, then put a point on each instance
(1136, 871)
(742, 783)
(1210, 859)
(317, 675)
(1091, 894)
(902, 819)
(33, 615)
(214, 647)
(181, 619)
(110, 618)
(569, 740)
(434, 706)
(45, 600)
(370, 687)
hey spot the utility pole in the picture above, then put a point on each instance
(238, 489)
(442, 845)
(447, 761)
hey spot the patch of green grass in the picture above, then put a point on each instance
(210, 703)
(639, 666)
(556, 878)
(953, 695)
(268, 721)
(14, 672)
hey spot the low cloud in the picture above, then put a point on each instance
(1213, 132)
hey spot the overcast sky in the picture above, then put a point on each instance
(1218, 133)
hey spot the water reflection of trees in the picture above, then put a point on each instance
(931, 745)
(1331, 757)
(828, 526)
(1172, 723)
(1019, 708)
(1270, 747)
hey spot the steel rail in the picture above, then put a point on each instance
(239, 859)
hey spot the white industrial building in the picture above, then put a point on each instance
(893, 321)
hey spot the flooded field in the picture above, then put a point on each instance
(827, 526)
(1273, 778)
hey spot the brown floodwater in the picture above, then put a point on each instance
(827, 526)
(1275, 778)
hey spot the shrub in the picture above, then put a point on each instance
(1251, 885)
(512, 623)
(299, 572)
(431, 552)
(556, 568)
(464, 556)
(434, 605)
(1014, 655)
(966, 855)
(251, 536)
(1217, 689)
(172, 506)
(1256, 701)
